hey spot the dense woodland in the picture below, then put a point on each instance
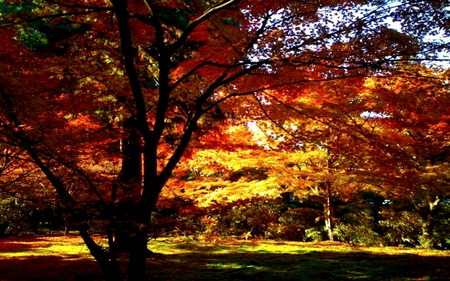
(283, 119)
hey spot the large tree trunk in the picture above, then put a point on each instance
(131, 148)
(107, 262)
(139, 252)
(137, 263)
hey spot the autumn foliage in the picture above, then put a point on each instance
(276, 119)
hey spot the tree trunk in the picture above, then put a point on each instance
(131, 148)
(328, 208)
(137, 263)
(122, 239)
(428, 222)
(109, 266)
(66, 224)
(329, 211)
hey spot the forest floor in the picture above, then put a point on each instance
(187, 259)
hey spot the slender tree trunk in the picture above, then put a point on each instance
(428, 222)
(329, 211)
(66, 224)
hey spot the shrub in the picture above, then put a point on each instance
(174, 215)
(15, 218)
(440, 236)
(301, 224)
(358, 227)
(256, 215)
(314, 234)
(357, 235)
(401, 228)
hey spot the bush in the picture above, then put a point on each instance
(358, 227)
(301, 224)
(256, 215)
(357, 235)
(440, 236)
(401, 228)
(359, 224)
(15, 218)
(314, 234)
(176, 215)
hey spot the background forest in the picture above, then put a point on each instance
(293, 120)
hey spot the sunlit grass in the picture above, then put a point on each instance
(64, 258)
(235, 259)
(40, 246)
(212, 258)
(233, 245)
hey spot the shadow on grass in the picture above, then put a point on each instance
(204, 264)
(21, 244)
(49, 268)
(235, 261)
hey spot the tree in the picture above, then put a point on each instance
(329, 160)
(152, 74)
(413, 129)
(378, 136)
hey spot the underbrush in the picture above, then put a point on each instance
(259, 217)
(265, 218)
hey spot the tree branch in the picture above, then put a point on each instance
(194, 23)
(32, 19)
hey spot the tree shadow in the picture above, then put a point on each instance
(49, 268)
(21, 244)
(231, 262)
(209, 264)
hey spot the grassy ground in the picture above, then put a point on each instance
(181, 259)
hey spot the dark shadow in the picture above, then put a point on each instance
(206, 264)
(49, 268)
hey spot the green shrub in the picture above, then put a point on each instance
(358, 227)
(314, 234)
(301, 224)
(15, 218)
(256, 215)
(440, 236)
(401, 228)
(357, 235)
